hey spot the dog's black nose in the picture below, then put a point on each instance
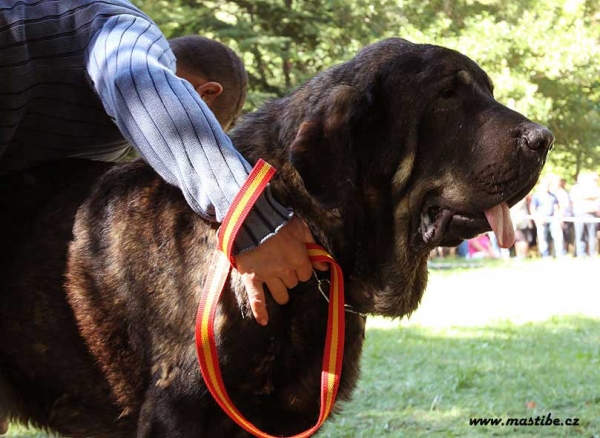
(538, 138)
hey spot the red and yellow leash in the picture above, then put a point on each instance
(221, 266)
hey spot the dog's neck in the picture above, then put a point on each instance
(356, 237)
(356, 234)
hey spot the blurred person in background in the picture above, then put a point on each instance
(524, 227)
(545, 208)
(566, 207)
(586, 209)
(481, 247)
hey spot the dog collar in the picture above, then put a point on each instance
(323, 285)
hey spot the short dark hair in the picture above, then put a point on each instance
(216, 62)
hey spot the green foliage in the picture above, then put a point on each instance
(543, 55)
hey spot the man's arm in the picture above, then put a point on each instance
(162, 116)
(132, 69)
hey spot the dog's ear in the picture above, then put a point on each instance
(322, 150)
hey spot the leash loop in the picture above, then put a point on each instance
(217, 278)
(347, 307)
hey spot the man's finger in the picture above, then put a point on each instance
(320, 266)
(289, 278)
(304, 271)
(278, 290)
(308, 238)
(256, 298)
(307, 234)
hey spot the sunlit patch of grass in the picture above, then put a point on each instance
(420, 381)
(18, 431)
(505, 340)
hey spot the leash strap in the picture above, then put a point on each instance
(214, 285)
(243, 202)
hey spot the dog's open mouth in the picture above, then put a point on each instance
(446, 227)
(445, 223)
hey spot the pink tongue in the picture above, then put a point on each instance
(499, 219)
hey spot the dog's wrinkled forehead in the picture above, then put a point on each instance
(476, 80)
(443, 62)
(402, 65)
(483, 81)
(464, 77)
(461, 67)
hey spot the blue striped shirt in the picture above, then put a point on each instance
(88, 79)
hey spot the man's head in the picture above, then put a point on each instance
(215, 71)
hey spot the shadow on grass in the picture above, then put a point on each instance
(429, 382)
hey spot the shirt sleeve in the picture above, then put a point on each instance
(132, 69)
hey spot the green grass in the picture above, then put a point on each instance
(420, 381)
(504, 340)
(22, 432)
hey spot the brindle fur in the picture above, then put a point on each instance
(359, 149)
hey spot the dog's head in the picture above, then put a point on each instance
(424, 118)
(409, 148)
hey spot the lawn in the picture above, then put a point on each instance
(514, 340)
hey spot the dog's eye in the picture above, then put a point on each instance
(450, 93)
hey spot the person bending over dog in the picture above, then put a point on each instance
(92, 79)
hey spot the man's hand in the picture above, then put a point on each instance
(280, 262)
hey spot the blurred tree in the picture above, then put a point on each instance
(543, 55)
(283, 43)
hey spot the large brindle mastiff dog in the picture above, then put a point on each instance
(400, 150)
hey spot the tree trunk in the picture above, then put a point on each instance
(286, 63)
